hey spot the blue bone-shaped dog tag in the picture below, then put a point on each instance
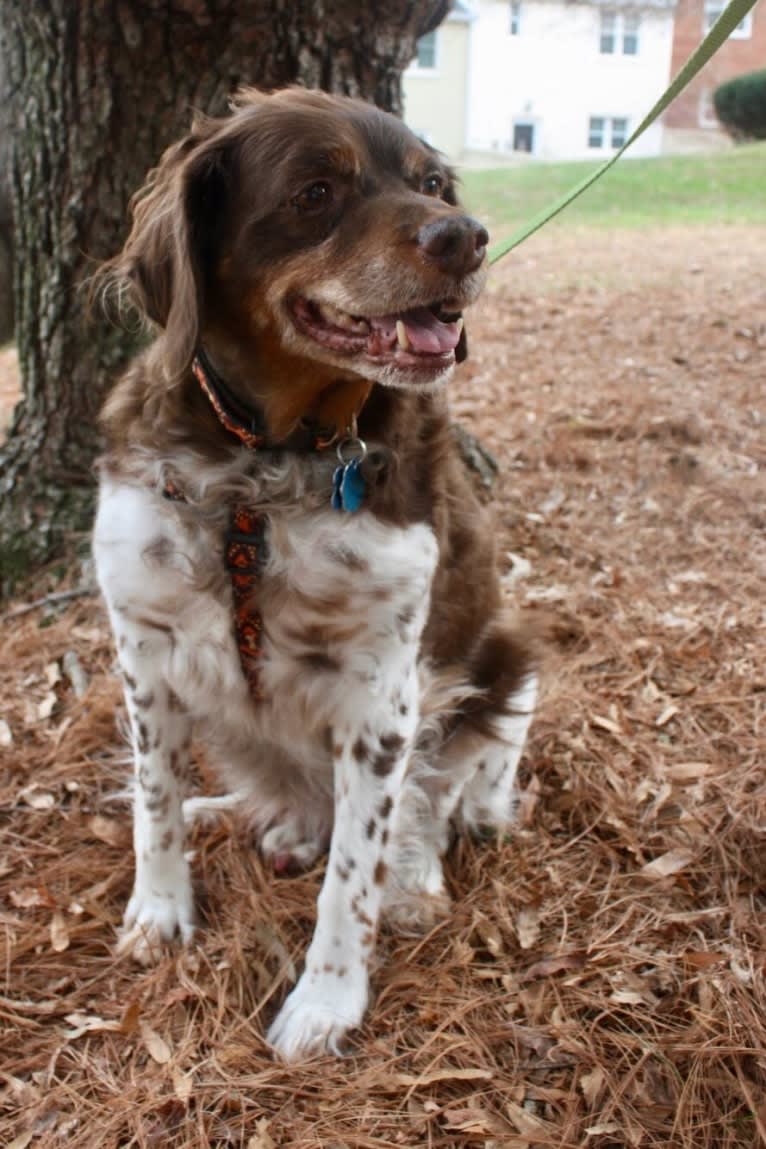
(348, 487)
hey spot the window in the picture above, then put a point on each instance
(613, 129)
(619, 32)
(426, 51)
(608, 32)
(706, 111)
(619, 131)
(515, 17)
(713, 10)
(596, 132)
(630, 25)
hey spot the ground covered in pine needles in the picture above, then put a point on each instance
(601, 983)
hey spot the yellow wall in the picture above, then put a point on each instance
(435, 101)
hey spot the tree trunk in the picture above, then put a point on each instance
(96, 89)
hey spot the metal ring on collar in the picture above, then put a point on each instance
(356, 447)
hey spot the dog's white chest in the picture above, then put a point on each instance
(338, 593)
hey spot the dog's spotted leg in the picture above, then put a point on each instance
(161, 905)
(489, 797)
(331, 996)
(475, 771)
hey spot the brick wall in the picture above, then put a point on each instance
(693, 108)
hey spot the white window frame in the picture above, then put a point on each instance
(607, 33)
(515, 18)
(597, 132)
(428, 69)
(713, 10)
(618, 29)
(706, 117)
(624, 133)
(606, 132)
(631, 31)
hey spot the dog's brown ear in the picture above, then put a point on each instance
(165, 264)
(461, 351)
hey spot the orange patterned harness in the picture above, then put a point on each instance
(245, 546)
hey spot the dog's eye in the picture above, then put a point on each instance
(314, 197)
(433, 184)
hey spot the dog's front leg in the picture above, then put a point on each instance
(331, 996)
(161, 904)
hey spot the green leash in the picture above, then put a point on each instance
(721, 30)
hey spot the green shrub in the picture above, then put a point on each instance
(740, 105)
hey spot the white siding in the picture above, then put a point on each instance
(553, 76)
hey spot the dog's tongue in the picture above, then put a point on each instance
(425, 333)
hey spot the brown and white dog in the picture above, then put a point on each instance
(348, 667)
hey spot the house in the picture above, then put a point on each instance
(435, 85)
(690, 122)
(552, 79)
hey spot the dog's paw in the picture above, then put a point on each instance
(151, 920)
(415, 912)
(416, 897)
(315, 1018)
(286, 846)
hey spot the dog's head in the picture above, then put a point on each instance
(311, 228)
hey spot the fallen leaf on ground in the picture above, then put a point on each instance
(528, 927)
(667, 864)
(59, 933)
(156, 1046)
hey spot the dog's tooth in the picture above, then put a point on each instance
(459, 324)
(401, 335)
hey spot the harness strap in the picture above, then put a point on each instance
(245, 553)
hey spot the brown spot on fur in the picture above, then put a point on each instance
(384, 762)
(166, 841)
(320, 660)
(405, 617)
(370, 830)
(152, 624)
(385, 806)
(144, 701)
(343, 971)
(142, 738)
(350, 558)
(379, 873)
(342, 872)
(360, 750)
(159, 550)
(392, 741)
(384, 837)
(327, 968)
(364, 919)
(367, 938)
(175, 703)
(130, 681)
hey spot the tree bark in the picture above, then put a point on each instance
(96, 89)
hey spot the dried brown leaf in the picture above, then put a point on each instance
(668, 863)
(419, 1080)
(156, 1046)
(59, 933)
(592, 1084)
(109, 830)
(528, 927)
(262, 1139)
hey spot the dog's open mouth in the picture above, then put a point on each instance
(425, 337)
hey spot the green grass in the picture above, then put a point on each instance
(723, 187)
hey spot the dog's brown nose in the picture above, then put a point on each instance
(458, 244)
